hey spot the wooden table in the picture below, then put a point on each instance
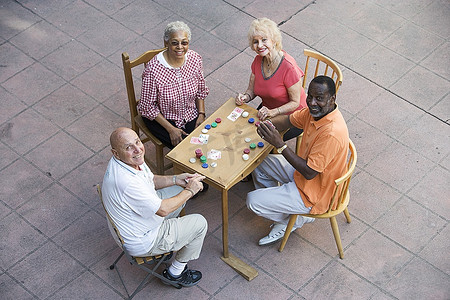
(229, 138)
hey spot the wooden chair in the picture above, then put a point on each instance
(142, 263)
(323, 66)
(137, 123)
(341, 196)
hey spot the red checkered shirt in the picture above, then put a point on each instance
(173, 91)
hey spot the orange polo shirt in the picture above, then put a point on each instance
(324, 146)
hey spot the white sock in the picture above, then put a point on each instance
(176, 268)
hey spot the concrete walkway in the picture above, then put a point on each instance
(62, 92)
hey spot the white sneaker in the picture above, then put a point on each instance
(274, 235)
(308, 220)
(278, 231)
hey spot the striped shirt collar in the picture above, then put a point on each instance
(127, 167)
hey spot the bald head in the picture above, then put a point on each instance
(120, 136)
(127, 147)
(117, 135)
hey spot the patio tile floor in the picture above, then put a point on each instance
(62, 93)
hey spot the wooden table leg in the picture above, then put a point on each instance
(236, 263)
(225, 222)
(176, 170)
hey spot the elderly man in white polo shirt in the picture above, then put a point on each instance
(144, 207)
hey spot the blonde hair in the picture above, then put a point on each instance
(267, 28)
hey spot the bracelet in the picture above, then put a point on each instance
(174, 179)
(249, 97)
(201, 113)
(190, 190)
(279, 110)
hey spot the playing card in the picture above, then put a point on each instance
(214, 154)
(203, 138)
(196, 140)
(236, 113)
(270, 123)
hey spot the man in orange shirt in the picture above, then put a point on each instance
(307, 177)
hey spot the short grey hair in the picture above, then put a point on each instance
(174, 27)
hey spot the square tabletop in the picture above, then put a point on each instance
(228, 138)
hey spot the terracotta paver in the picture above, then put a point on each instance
(62, 92)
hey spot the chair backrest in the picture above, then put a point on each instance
(110, 221)
(342, 184)
(323, 66)
(119, 240)
(128, 65)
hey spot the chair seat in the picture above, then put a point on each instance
(340, 197)
(142, 262)
(331, 213)
(159, 166)
(140, 122)
(149, 259)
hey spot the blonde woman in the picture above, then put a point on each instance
(275, 78)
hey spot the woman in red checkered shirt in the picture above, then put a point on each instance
(173, 88)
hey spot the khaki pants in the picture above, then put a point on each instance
(182, 234)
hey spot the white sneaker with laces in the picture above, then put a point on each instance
(278, 231)
(274, 235)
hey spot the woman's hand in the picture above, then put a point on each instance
(249, 94)
(176, 135)
(200, 119)
(242, 98)
(265, 113)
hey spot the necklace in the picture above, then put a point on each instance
(270, 64)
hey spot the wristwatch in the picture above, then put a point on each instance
(279, 150)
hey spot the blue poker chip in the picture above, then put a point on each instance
(260, 144)
(207, 126)
(205, 165)
(251, 120)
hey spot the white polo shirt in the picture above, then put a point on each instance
(131, 200)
